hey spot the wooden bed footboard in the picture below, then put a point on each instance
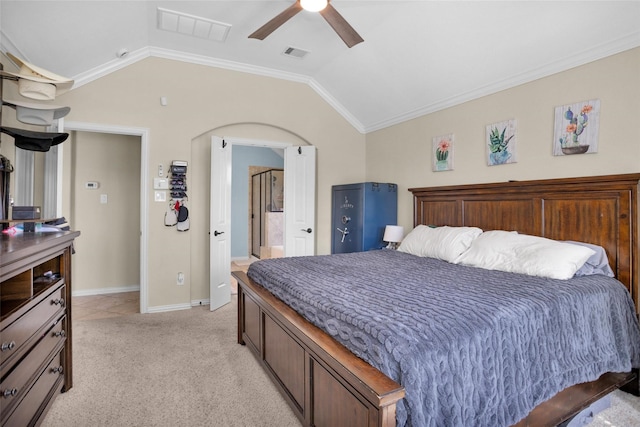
(323, 382)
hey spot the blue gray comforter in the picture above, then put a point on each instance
(472, 347)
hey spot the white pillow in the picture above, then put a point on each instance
(597, 263)
(445, 243)
(521, 253)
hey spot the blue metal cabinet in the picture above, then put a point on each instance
(360, 213)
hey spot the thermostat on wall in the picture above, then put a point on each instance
(91, 185)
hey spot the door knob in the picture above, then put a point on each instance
(308, 230)
(217, 233)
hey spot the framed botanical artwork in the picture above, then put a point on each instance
(576, 127)
(501, 143)
(443, 153)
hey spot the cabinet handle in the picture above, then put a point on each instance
(58, 301)
(56, 370)
(10, 393)
(8, 346)
(59, 334)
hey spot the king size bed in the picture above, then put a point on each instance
(429, 335)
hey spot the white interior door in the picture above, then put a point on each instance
(299, 212)
(220, 224)
(299, 200)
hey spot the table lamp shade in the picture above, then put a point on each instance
(393, 233)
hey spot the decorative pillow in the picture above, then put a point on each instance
(521, 253)
(445, 243)
(597, 263)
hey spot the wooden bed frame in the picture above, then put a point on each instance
(326, 385)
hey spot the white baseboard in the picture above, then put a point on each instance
(194, 303)
(103, 291)
(199, 302)
(173, 307)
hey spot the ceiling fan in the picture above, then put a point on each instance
(328, 12)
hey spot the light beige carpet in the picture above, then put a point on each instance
(180, 368)
(624, 412)
(184, 368)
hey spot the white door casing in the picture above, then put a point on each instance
(144, 135)
(220, 224)
(299, 200)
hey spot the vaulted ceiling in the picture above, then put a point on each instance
(417, 56)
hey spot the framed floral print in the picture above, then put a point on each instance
(443, 153)
(501, 143)
(576, 127)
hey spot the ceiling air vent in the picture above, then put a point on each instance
(191, 25)
(295, 52)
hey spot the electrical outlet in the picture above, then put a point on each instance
(180, 280)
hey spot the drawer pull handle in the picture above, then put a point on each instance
(59, 334)
(8, 346)
(56, 370)
(10, 393)
(58, 301)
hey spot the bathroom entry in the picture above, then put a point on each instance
(267, 213)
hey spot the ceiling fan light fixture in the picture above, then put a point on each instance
(313, 5)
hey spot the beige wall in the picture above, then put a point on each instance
(203, 101)
(402, 153)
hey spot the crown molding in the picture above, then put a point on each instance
(583, 57)
(7, 45)
(156, 52)
(337, 106)
(110, 67)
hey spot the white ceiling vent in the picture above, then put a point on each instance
(295, 52)
(191, 25)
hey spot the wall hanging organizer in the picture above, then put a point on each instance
(177, 213)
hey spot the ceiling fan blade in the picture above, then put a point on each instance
(276, 22)
(341, 26)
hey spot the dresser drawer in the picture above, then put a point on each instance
(38, 396)
(14, 386)
(20, 335)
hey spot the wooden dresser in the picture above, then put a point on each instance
(35, 324)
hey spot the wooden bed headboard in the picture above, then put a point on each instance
(601, 210)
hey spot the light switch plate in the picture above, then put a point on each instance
(160, 184)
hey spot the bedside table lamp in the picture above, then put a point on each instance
(393, 235)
